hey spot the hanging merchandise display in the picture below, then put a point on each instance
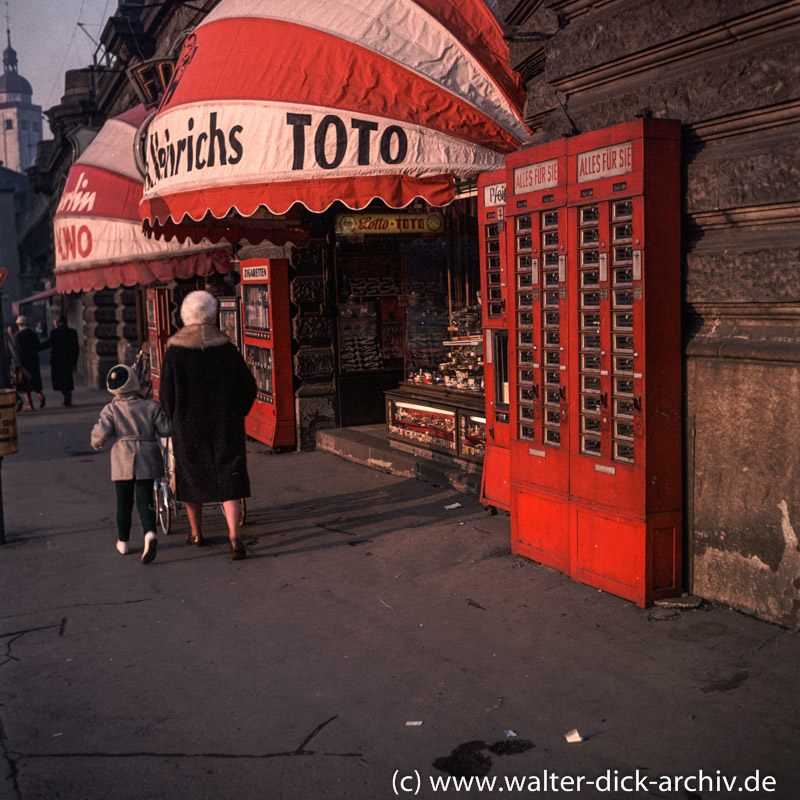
(158, 331)
(495, 277)
(593, 237)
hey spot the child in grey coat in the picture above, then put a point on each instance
(135, 423)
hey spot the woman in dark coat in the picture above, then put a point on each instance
(64, 352)
(207, 390)
(28, 346)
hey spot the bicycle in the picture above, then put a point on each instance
(167, 505)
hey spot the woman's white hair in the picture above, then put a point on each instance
(199, 308)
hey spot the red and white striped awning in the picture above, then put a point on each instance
(277, 102)
(98, 233)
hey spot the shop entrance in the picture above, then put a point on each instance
(370, 326)
(408, 327)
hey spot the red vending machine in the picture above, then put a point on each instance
(158, 328)
(267, 349)
(495, 483)
(539, 353)
(599, 494)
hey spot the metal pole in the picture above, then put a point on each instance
(5, 371)
(5, 383)
(2, 515)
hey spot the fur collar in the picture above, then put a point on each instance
(198, 337)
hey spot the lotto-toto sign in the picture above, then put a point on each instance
(362, 224)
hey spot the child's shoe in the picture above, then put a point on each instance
(150, 547)
(122, 548)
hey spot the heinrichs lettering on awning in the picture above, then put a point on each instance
(303, 101)
(98, 234)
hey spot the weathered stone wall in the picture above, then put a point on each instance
(100, 335)
(744, 539)
(731, 72)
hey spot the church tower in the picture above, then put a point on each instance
(20, 120)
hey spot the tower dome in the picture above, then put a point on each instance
(11, 82)
(20, 119)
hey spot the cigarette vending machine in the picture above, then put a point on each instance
(158, 331)
(267, 349)
(593, 234)
(495, 485)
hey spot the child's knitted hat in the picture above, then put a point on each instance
(122, 380)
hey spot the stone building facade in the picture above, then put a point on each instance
(731, 73)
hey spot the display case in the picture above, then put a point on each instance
(444, 422)
(495, 483)
(593, 236)
(431, 426)
(471, 435)
(266, 345)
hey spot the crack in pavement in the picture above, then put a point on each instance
(334, 530)
(78, 605)
(6, 657)
(11, 770)
(13, 757)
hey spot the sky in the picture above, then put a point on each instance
(48, 40)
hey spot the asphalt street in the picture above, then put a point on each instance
(373, 643)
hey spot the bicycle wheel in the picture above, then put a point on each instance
(163, 506)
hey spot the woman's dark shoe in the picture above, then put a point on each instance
(237, 550)
(196, 541)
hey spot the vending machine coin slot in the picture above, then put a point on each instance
(636, 272)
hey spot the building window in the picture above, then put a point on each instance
(24, 125)
(9, 124)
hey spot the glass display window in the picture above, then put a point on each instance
(256, 307)
(259, 361)
(472, 432)
(501, 373)
(427, 425)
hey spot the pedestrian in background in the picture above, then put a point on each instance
(64, 351)
(135, 423)
(12, 364)
(207, 391)
(28, 377)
